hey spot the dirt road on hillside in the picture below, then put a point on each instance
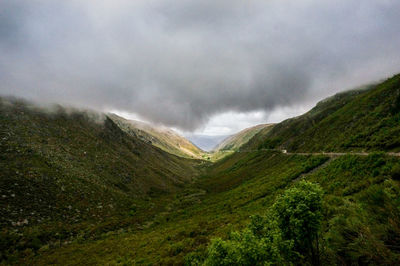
(329, 154)
(335, 154)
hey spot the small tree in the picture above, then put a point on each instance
(298, 216)
(287, 234)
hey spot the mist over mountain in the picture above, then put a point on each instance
(181, 63)
(80, 187)
(187, 132)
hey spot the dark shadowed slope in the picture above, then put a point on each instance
(72, 166)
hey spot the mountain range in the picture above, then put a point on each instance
(79, 187)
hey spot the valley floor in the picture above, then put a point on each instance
(358, 202)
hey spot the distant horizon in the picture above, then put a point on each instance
(209, 136)
(229, 132)
(212, 67)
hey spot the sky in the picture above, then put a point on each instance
(210, 67)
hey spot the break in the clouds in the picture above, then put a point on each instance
(181, 62)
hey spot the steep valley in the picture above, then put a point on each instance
(78, 188)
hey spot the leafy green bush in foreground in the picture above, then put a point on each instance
(287, 234)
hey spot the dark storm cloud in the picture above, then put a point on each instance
(180, 62)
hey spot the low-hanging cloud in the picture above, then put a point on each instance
(180, 62)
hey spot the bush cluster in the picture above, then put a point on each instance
(287, 234)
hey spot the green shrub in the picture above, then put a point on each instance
(270, 143)
(298, 216)
(396, 172)
(194, 258)
(288, 234)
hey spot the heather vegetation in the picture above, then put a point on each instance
(359, 214)
(78, 190)
(68, 173)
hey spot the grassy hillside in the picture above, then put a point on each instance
(93, 194)
(66, 171)
(361, 215)
(366, 119)
(163, 138)
(239, 141)
(258, 138)
(202, 210)
(236, 141)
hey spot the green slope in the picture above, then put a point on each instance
(71, 170)
(360, 225)
(361, 215)
(163, 138)
(205, 209)
(367, 119)
(239, 141)
(236, 141)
